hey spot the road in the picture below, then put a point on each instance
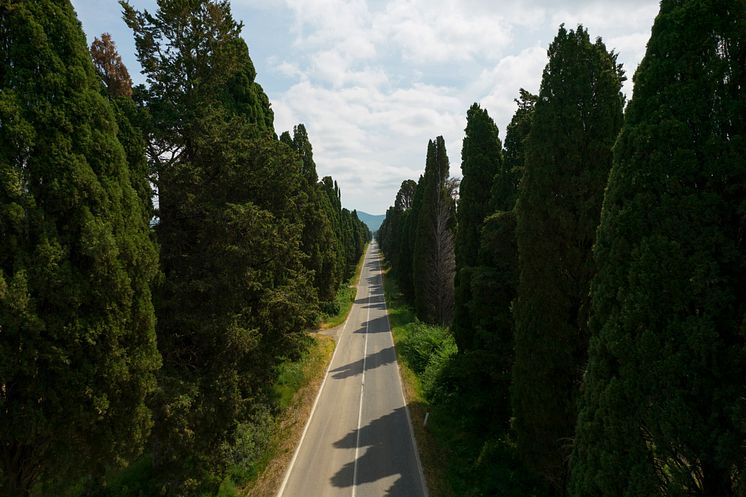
(358, 441)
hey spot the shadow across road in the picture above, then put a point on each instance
(372, 361)
(385, 450)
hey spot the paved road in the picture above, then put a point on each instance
(358, 441)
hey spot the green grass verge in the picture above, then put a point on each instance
(461, 451)
(295, 389)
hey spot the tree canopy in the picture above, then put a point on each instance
(77, 327)
(567, 161)
(663, 406)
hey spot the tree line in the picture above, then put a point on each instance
(597, 297)
(162, 250)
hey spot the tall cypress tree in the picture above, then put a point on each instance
(406, 249)
(663, 411)
(433, 257)
(568, 156)
(507, 179)
(77, 328)
(481, 159)
(318, 240)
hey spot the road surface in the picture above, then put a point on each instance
(358, 441)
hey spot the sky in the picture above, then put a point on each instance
(374, 80)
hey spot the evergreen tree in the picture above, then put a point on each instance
(318, 240)
(391, 233)
(433, 256)
(236, 293)
(481, 158)
(663, 408)
(405, 275)
(505, 183)
(77, 328)
(568, 156)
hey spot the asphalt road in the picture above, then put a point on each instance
(358, 441)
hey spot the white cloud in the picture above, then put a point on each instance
(373, 80)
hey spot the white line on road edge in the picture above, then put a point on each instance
(360, 408)
(401, 388)
(318, 395)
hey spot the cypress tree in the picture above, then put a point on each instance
(505, 183)
(568, 156)
(77, 339)
(433, 257)
(318, 240)
(391, 232)
(406, 249)
(236, 294)
(481, 158)
(663, 407)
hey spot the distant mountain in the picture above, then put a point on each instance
(372, 220)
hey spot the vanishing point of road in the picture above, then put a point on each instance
(358, 441)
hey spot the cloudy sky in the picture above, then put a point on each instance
(373, 80)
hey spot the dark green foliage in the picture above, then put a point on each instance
(351, 233)
(231, 196)
(568, 156)
(405, 273)
(77, 328)
(394, 239)
(505, 184)
(318, 240)
(481, 159)
(433, 257)
(663, 411)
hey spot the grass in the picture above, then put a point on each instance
(433, 456)
(296, 388)
(460, 454)
(344, 299)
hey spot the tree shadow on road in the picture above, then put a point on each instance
(386, 450)
(372, 361)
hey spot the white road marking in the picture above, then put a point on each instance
(315, 402)
(360, 408)
(401, 389)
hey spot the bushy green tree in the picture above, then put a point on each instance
(77, 328)
(236, 293)
(663, 407)
(433, 256)
(568, 156)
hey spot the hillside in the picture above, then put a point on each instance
(373, 221)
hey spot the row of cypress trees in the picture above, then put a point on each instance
(418, 233)
(126, 326)
(600, 310)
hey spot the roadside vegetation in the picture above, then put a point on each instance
(574, 316)
(456, 459)
(344, 298)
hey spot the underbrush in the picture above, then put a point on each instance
(464, 451)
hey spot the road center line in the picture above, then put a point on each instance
(360, 408)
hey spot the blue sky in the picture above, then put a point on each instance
(373, 80)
